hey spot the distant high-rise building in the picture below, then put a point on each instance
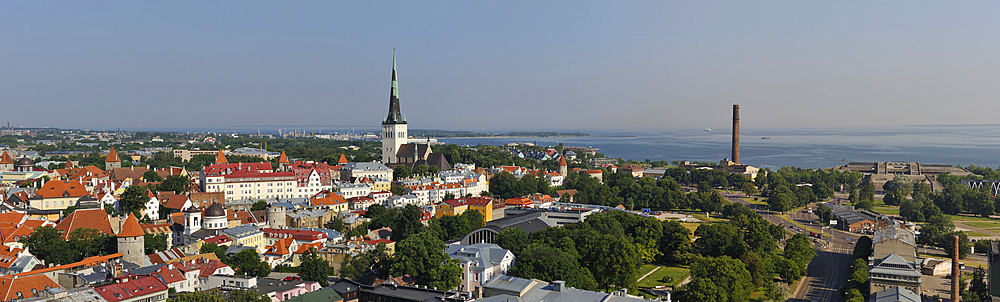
(394, 126)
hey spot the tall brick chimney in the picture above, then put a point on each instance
(736, 133)
(955, 273)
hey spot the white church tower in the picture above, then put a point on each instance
(394, 126)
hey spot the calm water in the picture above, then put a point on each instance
(806, 148)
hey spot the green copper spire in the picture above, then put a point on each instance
(395, 114)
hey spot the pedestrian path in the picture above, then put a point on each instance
(647, 274)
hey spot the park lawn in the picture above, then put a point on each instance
(645, 269)
(969, 218)
(653, 280)
(974, 234)
(713, 218)
(982, 224)
(690, 226)
(786, 218)
(886, 211)
(758, 202)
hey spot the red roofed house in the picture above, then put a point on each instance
(17, 288)
(330, 201)
(280, 252)
(361, 202)
(86, 218)
(243, 181)
(520, 202)
(134, 288)
(59, 195)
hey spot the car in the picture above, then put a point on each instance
(291, 278)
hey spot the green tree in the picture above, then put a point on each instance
(417, 255)
(512, 239)
(176, 183)
(153, 243)
(446, 276)
(897, 189)
(248, 263)
(866, 191)
(775, 292)
(675, 242)
(864, 204)
(407, 222)
(719, 239)
(863, 248)
(87, 242)
(728, 274)
(151, 176)
(703, 290)
(47, 244)
(612, 260)
(259, 205)
(209, 247)
(314, 268)
(133, 200)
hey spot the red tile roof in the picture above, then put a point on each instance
(131, 227)
(283, 159)
(10, 286)
(62, 188)
(165, 256)
(86, 218)
(303, 248)
(176, 202)
(562, 161)
(112, 156)
(130, 289)
(5, 159)
(221, 158)
(342, 160)
(327, 198)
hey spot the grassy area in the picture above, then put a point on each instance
(653, 280)
(786, 218)
(969, 218)
(760, 201)
(975, 234)
(691, 225)
(713, 218)
(886, 211)
(646, 268)
(982, 224)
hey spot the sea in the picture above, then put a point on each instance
(803, 148)
(763, 147)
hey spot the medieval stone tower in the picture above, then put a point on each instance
(113, 161)
(394, 126)
(276, 217)
(131, 241)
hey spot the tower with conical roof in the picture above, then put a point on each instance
(113, 161)
(342, 160)
(221, 158)
(7, 163)
(131, 241)
(563, 167)
(394, 126)
(283, 162)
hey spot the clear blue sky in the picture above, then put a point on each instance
(489, 65)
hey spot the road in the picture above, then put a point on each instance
(832, 264)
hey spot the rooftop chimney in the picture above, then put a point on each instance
(558, 285)
(736, 134)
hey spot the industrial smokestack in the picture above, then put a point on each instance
(955, 272)
(736, 133)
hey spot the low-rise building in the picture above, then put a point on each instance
(247, 235)
(144, 289)
(480, 262)
(893, 270)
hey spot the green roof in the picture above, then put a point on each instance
(323, 295)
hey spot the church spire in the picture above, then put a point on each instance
(395, 114)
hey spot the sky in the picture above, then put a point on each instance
(499, 65)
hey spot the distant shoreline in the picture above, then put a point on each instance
(517, 136)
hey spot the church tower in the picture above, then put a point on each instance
(394, 126)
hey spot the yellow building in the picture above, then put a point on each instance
(488, 207)
(58, 195)
(247, 235)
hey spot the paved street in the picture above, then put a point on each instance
(832, 264)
